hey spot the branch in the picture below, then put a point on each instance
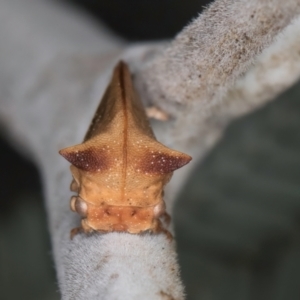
(206, 58)
(47, 103)
(276, 69)
(49, 98)
(193, 75)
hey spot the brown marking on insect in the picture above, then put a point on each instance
(86, 158)
(120, 169)
(163, 162)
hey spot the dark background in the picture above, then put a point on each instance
(238, 219)
(140, 20)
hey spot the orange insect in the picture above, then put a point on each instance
(120, 169)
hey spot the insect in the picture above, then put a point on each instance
(120, 169)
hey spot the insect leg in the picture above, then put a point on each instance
(166, 218)
(159, 228)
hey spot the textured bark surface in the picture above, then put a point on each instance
(204, 60)
(51, 83)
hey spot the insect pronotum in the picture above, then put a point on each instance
(120, 169)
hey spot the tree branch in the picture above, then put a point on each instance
(206, 58)
(192, 76)
(51, 88)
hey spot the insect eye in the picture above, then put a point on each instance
(78, 205)
(81, 207)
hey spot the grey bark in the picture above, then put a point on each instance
(55, 65)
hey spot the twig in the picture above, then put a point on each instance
(48, 100)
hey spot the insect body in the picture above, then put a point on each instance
(120, 169)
